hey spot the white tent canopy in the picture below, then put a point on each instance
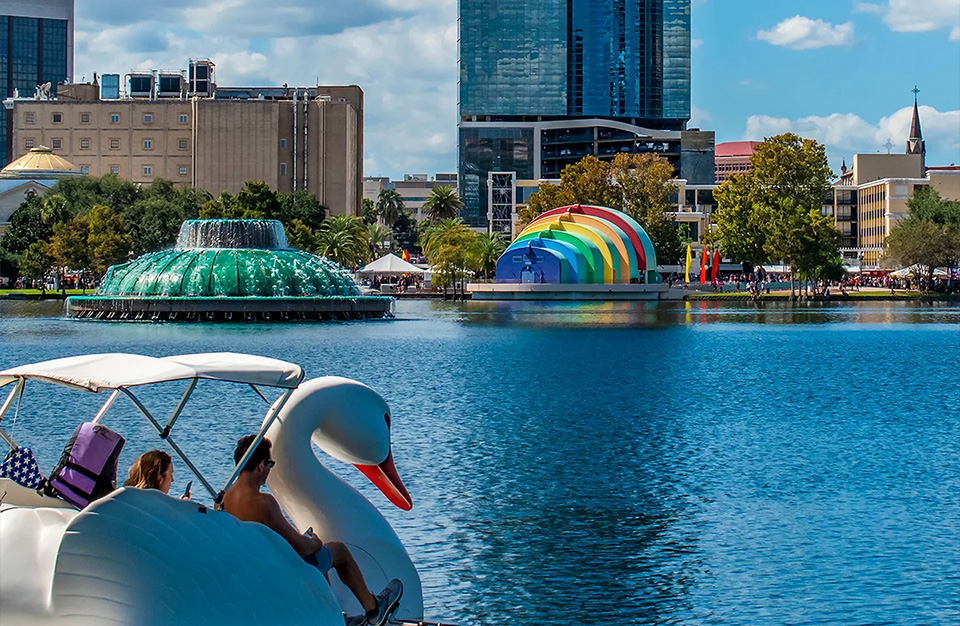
(390, 265)
(916, 270)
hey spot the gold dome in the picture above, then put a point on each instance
(40, 161)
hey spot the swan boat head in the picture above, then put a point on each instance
(351, 423)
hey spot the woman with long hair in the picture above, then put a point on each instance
(151, 470)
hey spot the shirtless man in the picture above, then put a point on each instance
(245, 502)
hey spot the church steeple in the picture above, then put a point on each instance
(915, 142)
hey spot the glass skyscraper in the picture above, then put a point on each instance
(36, 47)
(527, 62)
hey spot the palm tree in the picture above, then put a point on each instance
(389, 206)
(342, 240)
(378, 239)
(431, 238)
(489, 248)
(443, 203)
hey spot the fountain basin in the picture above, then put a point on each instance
(229, 270)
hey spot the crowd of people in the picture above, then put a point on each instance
(400, 283)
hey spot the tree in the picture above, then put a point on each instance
(452, 248)
(443, 203)
(389, 206)
(69, 247)
(303, 206)
(301, 236)
(342, 240)
(379, 239)
(36, 261)
(774, 212)
(368, 210)
(489, 247)
(257, 201)
(26, 226)
(107, 239)
(406, 232)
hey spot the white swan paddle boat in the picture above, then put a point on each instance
(142, 557)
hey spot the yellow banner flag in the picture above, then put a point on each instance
(686, 275)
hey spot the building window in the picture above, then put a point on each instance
(283, 143)
(114, 169)
(183, 144)
(114, 118)
(84, 118)
(28, 144)
(30, 118)
(283, 169)
(114, 144)
(57, 143)
(84, 169)
(58, 118)
(183, 171)
(148, 144)
(84, 144)
(148, 170)
(183, 119)
(148, 118)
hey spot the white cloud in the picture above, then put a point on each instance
(803, 33)
(847, 133)
(696, 43)
(698, 117)
(402, 53)
(866, 7)
(917, 16)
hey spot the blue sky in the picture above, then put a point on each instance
(838, 71)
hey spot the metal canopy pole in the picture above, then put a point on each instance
(180, 406)
(106, 406)
(271, 416)
(17, 388)
(143, 410)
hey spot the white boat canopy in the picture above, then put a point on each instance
(119, 372)
(94, 372)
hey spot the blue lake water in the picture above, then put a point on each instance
(614, 463)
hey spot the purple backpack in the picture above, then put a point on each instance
(88, 466)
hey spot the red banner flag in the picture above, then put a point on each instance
(703, 266)
(716, 266)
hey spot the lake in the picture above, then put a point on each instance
(627, 463)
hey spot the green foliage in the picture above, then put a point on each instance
(301, 236)
(379, 240)
(774, 213)
(91, 242)
(36, 261)
(303, 206)
(443, 203)
(342, 240)
(369, 210)
(489, 247)
(452, 249)
(26, 226)
(389, 206)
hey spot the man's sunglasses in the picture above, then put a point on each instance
(270, 463)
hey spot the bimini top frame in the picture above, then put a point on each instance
(120, 372)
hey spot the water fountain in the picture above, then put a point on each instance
(228, 270)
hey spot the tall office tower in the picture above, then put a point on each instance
(36, 47)
(544, 83)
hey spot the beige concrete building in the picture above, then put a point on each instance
(291, 138)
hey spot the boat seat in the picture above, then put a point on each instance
(14, 493)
